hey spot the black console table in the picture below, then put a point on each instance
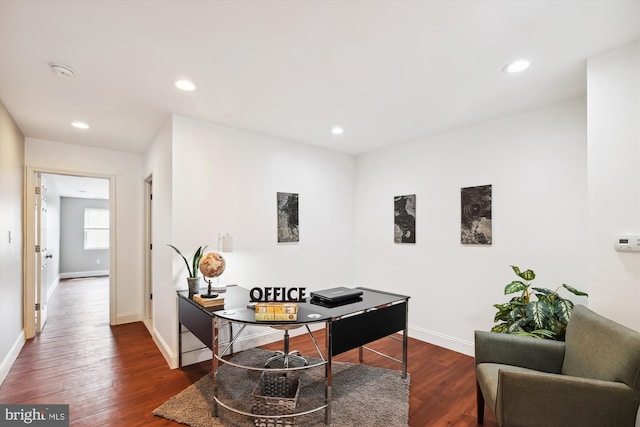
(375, 315)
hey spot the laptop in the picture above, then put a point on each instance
(336, 295)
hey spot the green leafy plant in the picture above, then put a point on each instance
(545, 317)
(193, 272)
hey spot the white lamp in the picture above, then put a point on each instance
(225, 243)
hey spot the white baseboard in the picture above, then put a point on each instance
(149, 324)
(11, 356)
(165, 350)
(123, 318)
(442, 340)
(79, 274)
(53, 287)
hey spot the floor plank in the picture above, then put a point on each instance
(116, 376)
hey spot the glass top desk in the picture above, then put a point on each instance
(376, 315)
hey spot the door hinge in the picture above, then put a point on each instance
(151, 246)
(150, 296)
(37, 190)
(37, 248)
(37, 306)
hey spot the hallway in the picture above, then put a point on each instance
(111, 376)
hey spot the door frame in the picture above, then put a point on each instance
(29, 243)
(148, 254)
(40, 201)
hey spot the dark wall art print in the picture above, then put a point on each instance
(288, 225)
(475, 227)
(404, 211)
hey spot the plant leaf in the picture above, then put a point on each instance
(196, 260)
(513, 328)
(185, 260)
(503, 312)
(515, 286)
(539, 312)
(545, 291)
(575, 291)
(516, 313)
(500, 328)
(516, 270)
(562, 309)
(527, 275)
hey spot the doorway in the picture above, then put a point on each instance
(69, 234)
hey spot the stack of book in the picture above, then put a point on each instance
(209, 302)
(278, 311)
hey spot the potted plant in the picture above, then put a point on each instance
(194, 279)
(545, 317)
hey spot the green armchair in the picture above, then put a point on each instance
(590, 380)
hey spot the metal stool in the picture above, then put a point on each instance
(286, 355)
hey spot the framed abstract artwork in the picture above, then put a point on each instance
(475, 215)
(288, 224)
(404, 217)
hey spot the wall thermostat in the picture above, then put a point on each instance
(628, 243)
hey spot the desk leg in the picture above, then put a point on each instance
(405, 341)
(327, 373)
(214, 364)
(179, 344)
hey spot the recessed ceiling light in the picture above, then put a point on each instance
(516, 66)
(80, 125)
(185, 85)
(337, 130)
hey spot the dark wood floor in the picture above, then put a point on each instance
(115, 376)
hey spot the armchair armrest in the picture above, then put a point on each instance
(539, 399)
(526, 352)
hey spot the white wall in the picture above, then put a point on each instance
(11, 188)
(127, 168)
(158, 165)
(225, 181)
(613, 89)
(536, 163)
(75, 260)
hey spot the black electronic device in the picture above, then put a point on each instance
(336, 295)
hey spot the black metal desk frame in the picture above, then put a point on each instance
(379, 314)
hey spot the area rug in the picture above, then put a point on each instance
(361, 396)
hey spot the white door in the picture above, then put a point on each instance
(149, 257)
(41, 251)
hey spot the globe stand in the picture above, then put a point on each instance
(209, 293)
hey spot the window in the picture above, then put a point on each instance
(96, 228)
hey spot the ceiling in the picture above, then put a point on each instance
(386, 71)
(79, 187)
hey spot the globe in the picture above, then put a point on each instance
(212, 264)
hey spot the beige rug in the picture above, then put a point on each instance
(361, 396)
